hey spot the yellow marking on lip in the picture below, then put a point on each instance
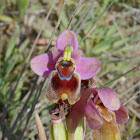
(64, 96)
(117, 137)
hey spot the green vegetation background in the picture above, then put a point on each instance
(114, 39)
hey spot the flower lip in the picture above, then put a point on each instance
(66, 64)
(66, 77)
(65, 67)
(56, 87)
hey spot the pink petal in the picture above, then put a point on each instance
(96, 98)
(88, 67)
(56, 53)
(93, 117)
(67, 37)
(77, 110)
(109, 98)
(121, 115)
(43, 64)
(77, 55)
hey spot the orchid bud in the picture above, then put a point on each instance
(80, 130)
(57, 131)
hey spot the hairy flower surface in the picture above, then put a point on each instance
(65, 67)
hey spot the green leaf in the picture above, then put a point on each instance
(2, 6)
(64, 19)
(22, 4)
(11, 45)
(5, 18)
(102, 46)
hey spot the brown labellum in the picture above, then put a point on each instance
(65, 69)
(64, 81)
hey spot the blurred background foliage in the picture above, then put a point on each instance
(114, 39)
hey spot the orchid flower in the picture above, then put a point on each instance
(65, 68)
(69, 74)
(102, 113)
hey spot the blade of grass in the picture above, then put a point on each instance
(8, 135)
(24, 107)
(32, 109)
(134, 86)
(69, 25)
(58, 22)
(130, 127)
(120, 76)
(24, 66)
(86, 17)
(96, 22)
(130, 98)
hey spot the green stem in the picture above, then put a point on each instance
(70, 136)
